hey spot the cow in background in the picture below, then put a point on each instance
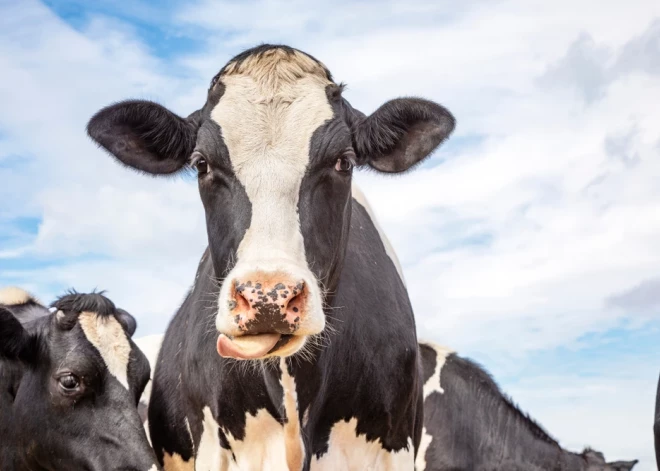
(70, 381)
(469, 424)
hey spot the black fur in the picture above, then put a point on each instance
(371, 337)
(144, 135)
(15, 342)
(42, 427)
(402, 133)
(656, 425)
(475, 426)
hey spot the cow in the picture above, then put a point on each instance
(69, 385)
(656, 426)
(469, 424)
(295, 347)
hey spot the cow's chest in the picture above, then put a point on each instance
(270, 446)
(352, 452)
(264, 446)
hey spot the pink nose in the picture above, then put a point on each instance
(267, 302)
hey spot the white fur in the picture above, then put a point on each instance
(362, 199)
(267, 444)
(150, 346)
(12, 296)
(174, 462)
(431, 385)
(293, 441)
(209, 456)
(268, 115)
(109, 338)
(352, 452)
(263, 448)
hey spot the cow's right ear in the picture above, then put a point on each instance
(145, 135)
(15, 342)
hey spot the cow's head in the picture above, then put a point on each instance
(71, 384)
(274, 148)
(595, 461)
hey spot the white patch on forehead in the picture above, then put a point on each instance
(431, 385)
(360, 198)
(267, 115)
(106, 334)
(349, 451)
(13, 296)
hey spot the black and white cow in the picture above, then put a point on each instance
(69, 385)
(469, 424)
(295, 272)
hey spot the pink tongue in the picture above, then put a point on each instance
(247, 347)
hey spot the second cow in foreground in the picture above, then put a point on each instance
(296, 273)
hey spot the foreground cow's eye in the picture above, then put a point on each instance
(69, 383)
(199, 162)
(345, 163)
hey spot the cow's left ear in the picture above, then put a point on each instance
(15, 342)
(401, 133)
(127, 321)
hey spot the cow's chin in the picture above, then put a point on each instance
(259, 346)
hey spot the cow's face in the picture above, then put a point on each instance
(75, 381)
(274, 148)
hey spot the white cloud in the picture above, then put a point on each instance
(557, 199)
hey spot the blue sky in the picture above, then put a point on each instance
(529, 242)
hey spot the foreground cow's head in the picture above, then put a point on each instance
(274, 147)
(71, 381)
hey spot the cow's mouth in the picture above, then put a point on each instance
(251, 347)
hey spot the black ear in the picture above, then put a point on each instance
(623, 465)
(15, 342)
(127, 321)
(401, 133)
(145, 135)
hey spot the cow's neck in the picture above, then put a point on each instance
(370, 334)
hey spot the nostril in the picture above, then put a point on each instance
(239, 303)
(295, 303)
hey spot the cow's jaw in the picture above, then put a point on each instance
(267, 126)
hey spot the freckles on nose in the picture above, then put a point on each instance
(262, 304)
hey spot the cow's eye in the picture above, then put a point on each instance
(69, 383)
(198, 161)
(345, 163)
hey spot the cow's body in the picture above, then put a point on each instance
(469, 424)
(353, 402)
(296, 346)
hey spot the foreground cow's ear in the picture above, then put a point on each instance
(402, 133)
(15, 342)
(145, 135)
(127, 321)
